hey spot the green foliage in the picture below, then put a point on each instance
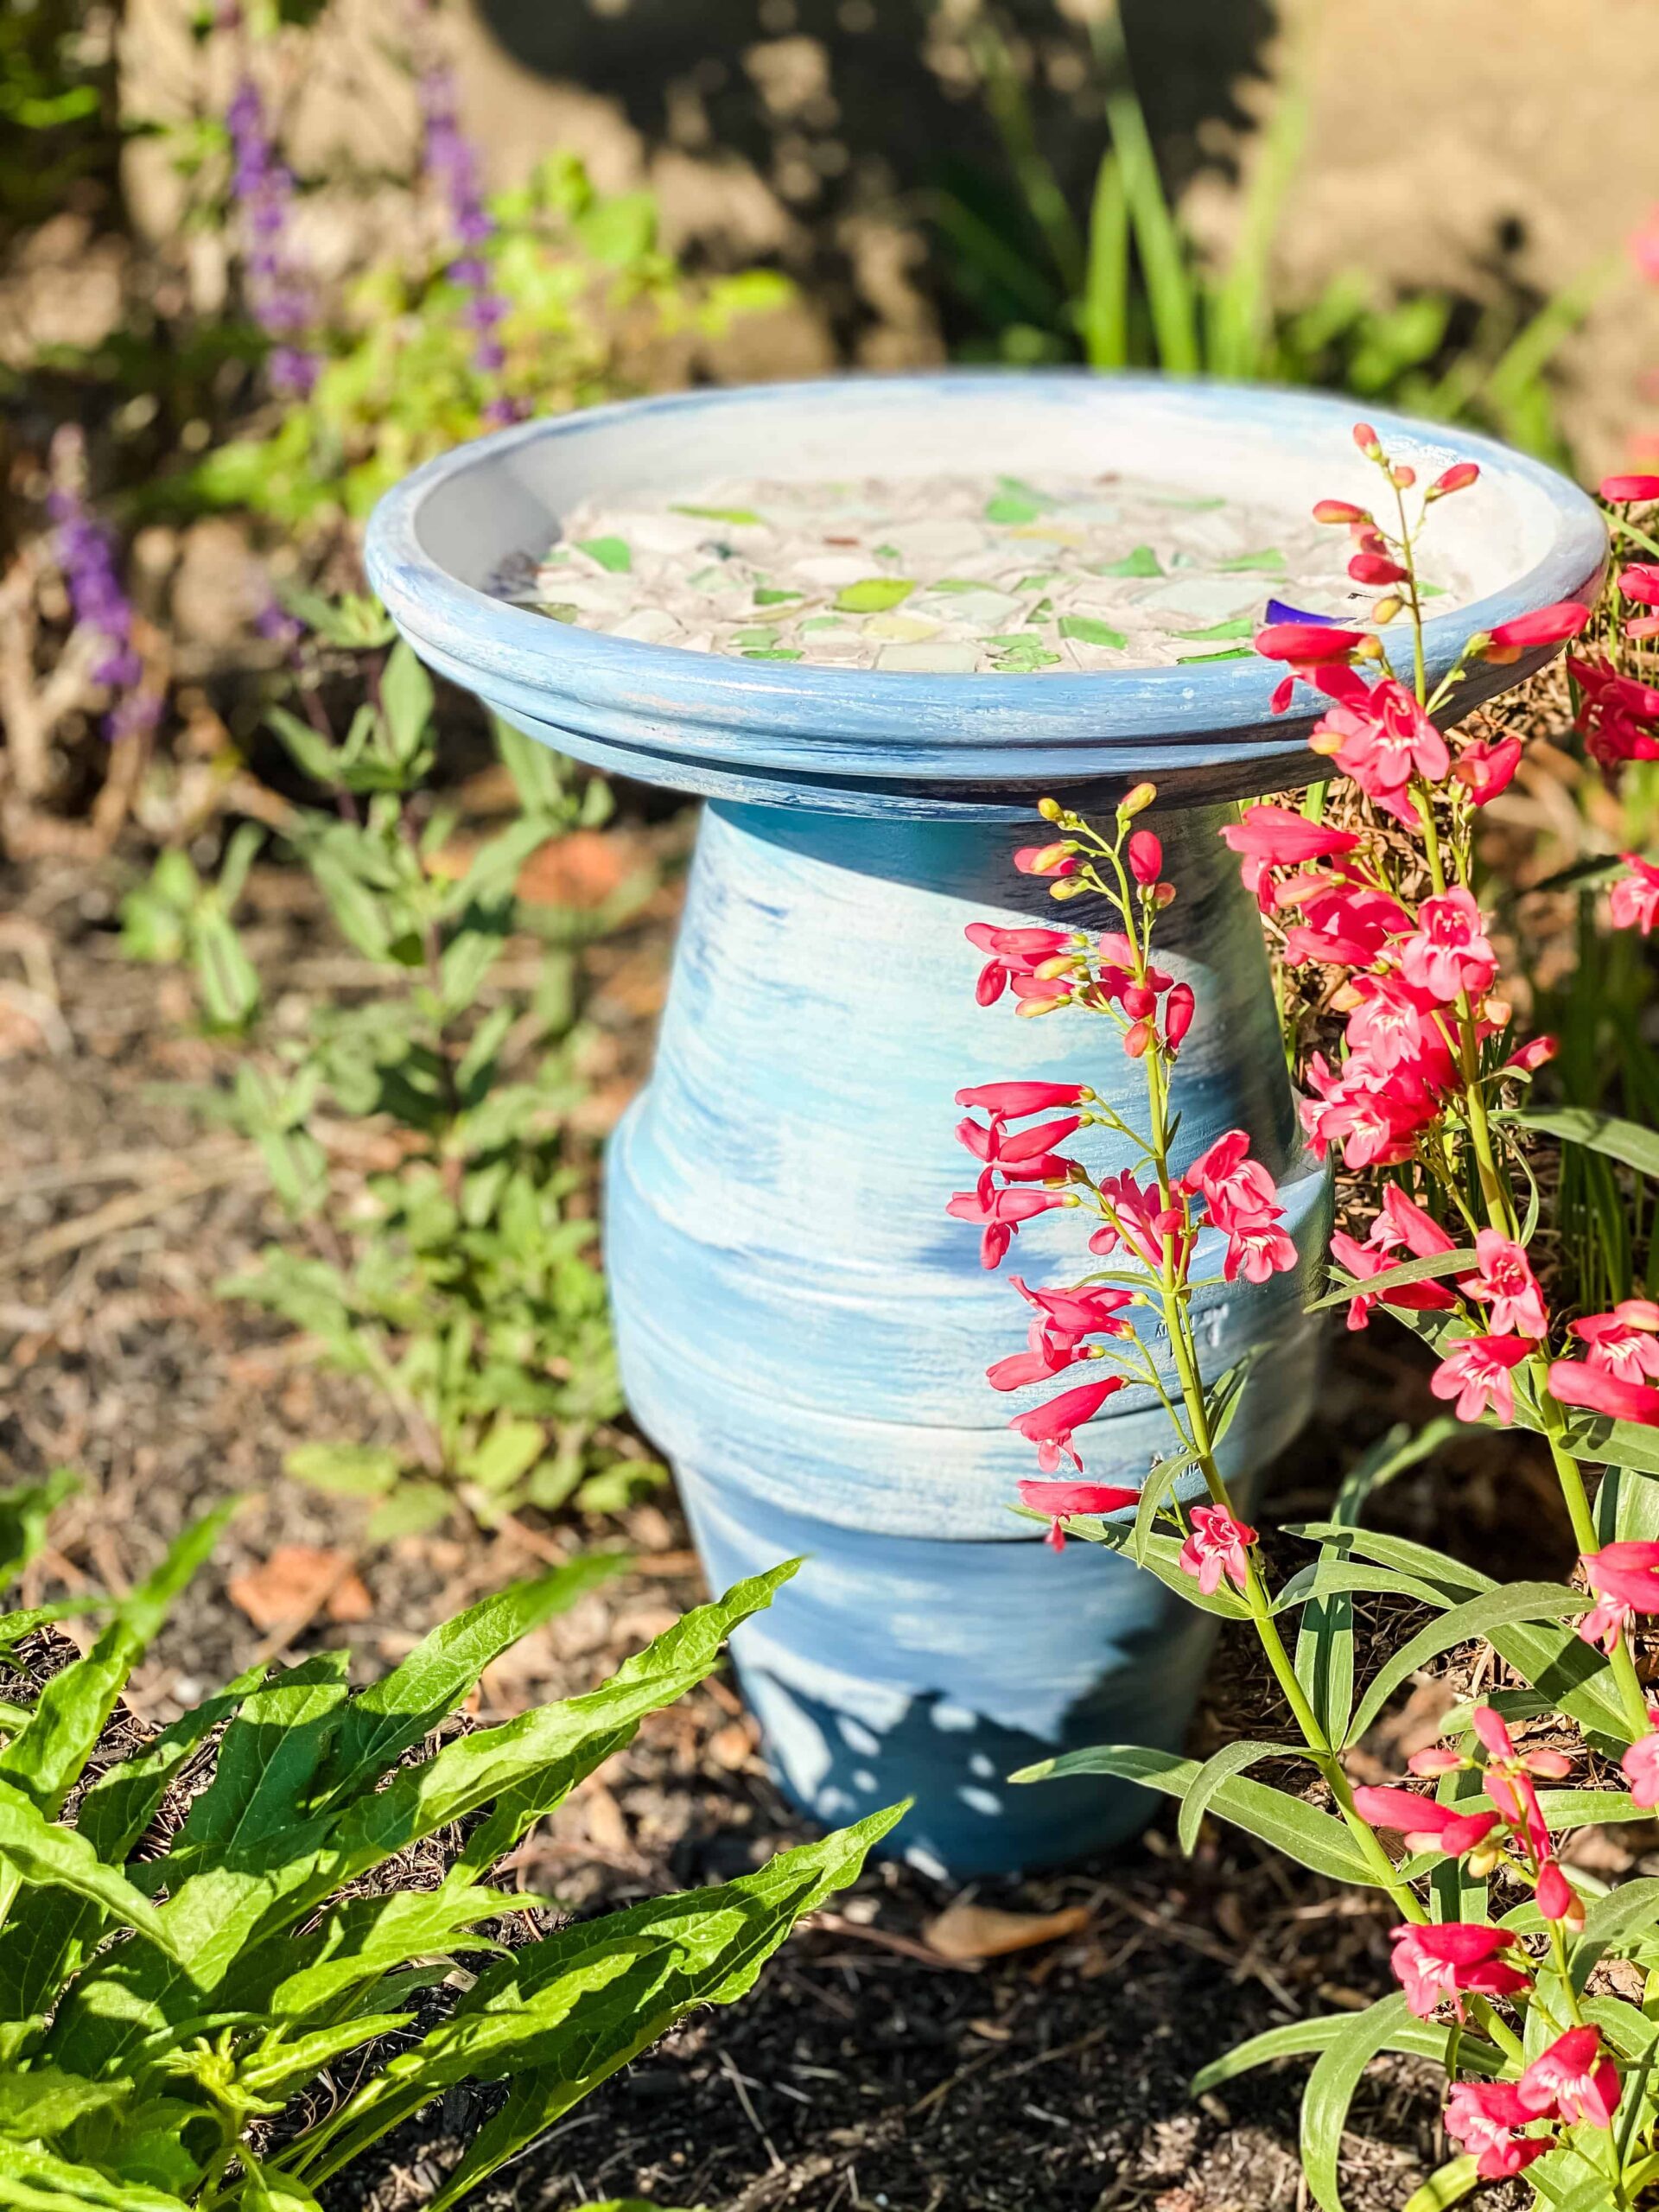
(55, 77)
(460, 1283)
(1128, 286)
(591, 297)
(159, 2055)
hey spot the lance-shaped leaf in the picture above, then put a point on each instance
(393, 1714)
(365, 1938)
(1447, 2185)
(1493, 1609)
(217, 1914)
(267, 1758)
(44, 1759)
(35, 2179)
(1301, 1832)
(39, 1852)
(59, 1928)
(24, 1513)
(1230, 1759)
(43, 2102)
(1300, 2038)
(1630, 1142)
(1457, 1263)
(1330, 2090)
(559, 2016)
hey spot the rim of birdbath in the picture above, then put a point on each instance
(444, 544)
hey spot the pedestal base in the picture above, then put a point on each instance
(805, 1332)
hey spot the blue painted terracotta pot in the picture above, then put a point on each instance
(802, 1329)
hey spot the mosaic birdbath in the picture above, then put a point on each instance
(802, 1329)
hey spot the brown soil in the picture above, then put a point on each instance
(865, 2072)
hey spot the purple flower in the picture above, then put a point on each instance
(452, 166)
(87, 556)
(262, 186)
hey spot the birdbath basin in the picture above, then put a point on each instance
(801, 1328)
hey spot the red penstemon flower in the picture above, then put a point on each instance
(1477, 1373)
(1421, 1823)
(1217, 1545)
(1573, 2079)
(1634, 901)
(1452, 1960)
(1422, 1082)
(1062, 1500)
(1486, 2118)
(1051, 1427)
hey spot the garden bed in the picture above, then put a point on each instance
(867, 2070)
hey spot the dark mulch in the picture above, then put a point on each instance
(862, 2072)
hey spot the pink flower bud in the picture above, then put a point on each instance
(1163, 894)
(1367, 440)
(1620, 491)
(1548, 1766)
(1439, 1758)
(1307, 641)
(1146, 857)
(1338, 510)
(1557, 1899)
(1137, 1039)
(1376, 568)
(1545, 625)
(1640, 581)
(1139, 1001)
(1458, 478)
(1404, 476)
(1045, 860)
(1178, 1009)
(1533, 1055)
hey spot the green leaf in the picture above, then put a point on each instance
(406, 701)
(267, 1758)
(507, 1451)
(365, 1938)
(410, 1510)
(45, 1758)
(1325, 1577)
(348, 1470)
(1420, 2038)
(874, 594)
(1477, 1616)
(1456, 1263)
(266, 2190)
(1448, 2184)
(215, 1914)
(24, 1513)
(1330, 2090)
(1630, 1142)
(1087, 630)
(39, 1852)
(43, 2102)
(1388, 1458)
(392, 1715)
(560, 2016)
(1631, 1910)
(1301, 1832)
(36, 2180)
(282, 2064)
(1230, 1759)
